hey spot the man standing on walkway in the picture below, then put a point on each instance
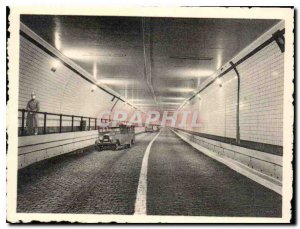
(32, 121)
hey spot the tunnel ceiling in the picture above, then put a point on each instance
(174, 55)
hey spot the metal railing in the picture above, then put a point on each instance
(50, 123)
(56, 123)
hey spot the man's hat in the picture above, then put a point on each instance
(32, 93)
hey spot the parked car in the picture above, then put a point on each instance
(149, 128)
(152, 128)
(156, 128)
(115, 137)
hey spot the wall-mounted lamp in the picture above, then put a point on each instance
(55, 65)
(93, 88)
(219, 81)
(198, 96)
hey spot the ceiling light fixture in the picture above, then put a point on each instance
(189, 73)
(95, 69)
(106, 55)
(116, 82)
(168, 103)
(191, 57)
(172, 98)
(57, 41)
(175, 89)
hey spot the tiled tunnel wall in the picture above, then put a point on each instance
(62, 92)
(262, 81)
(261, 98)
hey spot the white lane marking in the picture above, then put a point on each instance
(141, 196)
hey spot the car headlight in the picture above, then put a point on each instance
(101, 138)
(110, 138)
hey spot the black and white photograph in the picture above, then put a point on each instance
(149, 115)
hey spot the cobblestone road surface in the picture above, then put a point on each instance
(94, 182)
(181, 181)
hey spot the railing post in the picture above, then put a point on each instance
(72, 128)
(45, 123)
(81, 124)
(89, 123)
(23, 123)
(95, 123)
(237, 103)
(60, 122)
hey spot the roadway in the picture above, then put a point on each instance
(180, 181)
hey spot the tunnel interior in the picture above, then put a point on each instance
(213, 87)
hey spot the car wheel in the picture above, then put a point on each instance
(117, 145)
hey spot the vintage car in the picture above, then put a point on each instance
(149, 128)
(115, 137)
(152, 128)
(156, 128)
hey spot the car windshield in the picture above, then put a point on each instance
(119, 129)
(108, 130)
